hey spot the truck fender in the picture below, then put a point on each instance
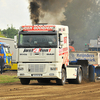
(63, 67)
(80, 67)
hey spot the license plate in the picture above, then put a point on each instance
(36, 74)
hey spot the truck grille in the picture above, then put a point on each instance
(36, 67)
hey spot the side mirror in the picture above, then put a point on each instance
(61, 40)
(15, 41)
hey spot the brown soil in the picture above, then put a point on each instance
(52, 91)
(9, 73)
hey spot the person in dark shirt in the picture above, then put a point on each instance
(54, 41)
(2, 57)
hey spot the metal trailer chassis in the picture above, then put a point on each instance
(89, 72)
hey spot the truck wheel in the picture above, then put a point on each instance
(24, 81)
(63, 79)
(78, 80)
(79, 76)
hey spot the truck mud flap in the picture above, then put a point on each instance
(91, 73)
(85, 68)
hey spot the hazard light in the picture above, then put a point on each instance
(38, 28)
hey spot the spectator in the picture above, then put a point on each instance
(54, 41)
(30, 40)
(2, 59)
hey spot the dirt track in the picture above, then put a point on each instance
(36, 91)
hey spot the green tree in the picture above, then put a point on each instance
(10, 32)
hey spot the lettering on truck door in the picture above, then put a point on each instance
(64, 52)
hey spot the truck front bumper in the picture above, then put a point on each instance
(39, 70)
(38, 76)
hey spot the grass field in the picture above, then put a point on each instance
(8, 79)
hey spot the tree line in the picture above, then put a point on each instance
(10, 32)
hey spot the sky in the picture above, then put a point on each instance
(14, 12)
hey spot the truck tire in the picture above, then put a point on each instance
(63, 79)
(79, 76)
(24, 81)
(78, 80)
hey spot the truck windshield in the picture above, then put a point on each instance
(37, 41)
(7, 49)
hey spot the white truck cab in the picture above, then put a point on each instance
(43, 54)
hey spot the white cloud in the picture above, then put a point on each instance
(14, 12)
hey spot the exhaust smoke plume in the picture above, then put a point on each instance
(34, 9)
(47, 11)
(82, 17)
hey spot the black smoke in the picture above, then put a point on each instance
(82, 17)
(49, 8)
(34, 9)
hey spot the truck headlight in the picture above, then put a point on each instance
(53, 68)
(20, 68)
